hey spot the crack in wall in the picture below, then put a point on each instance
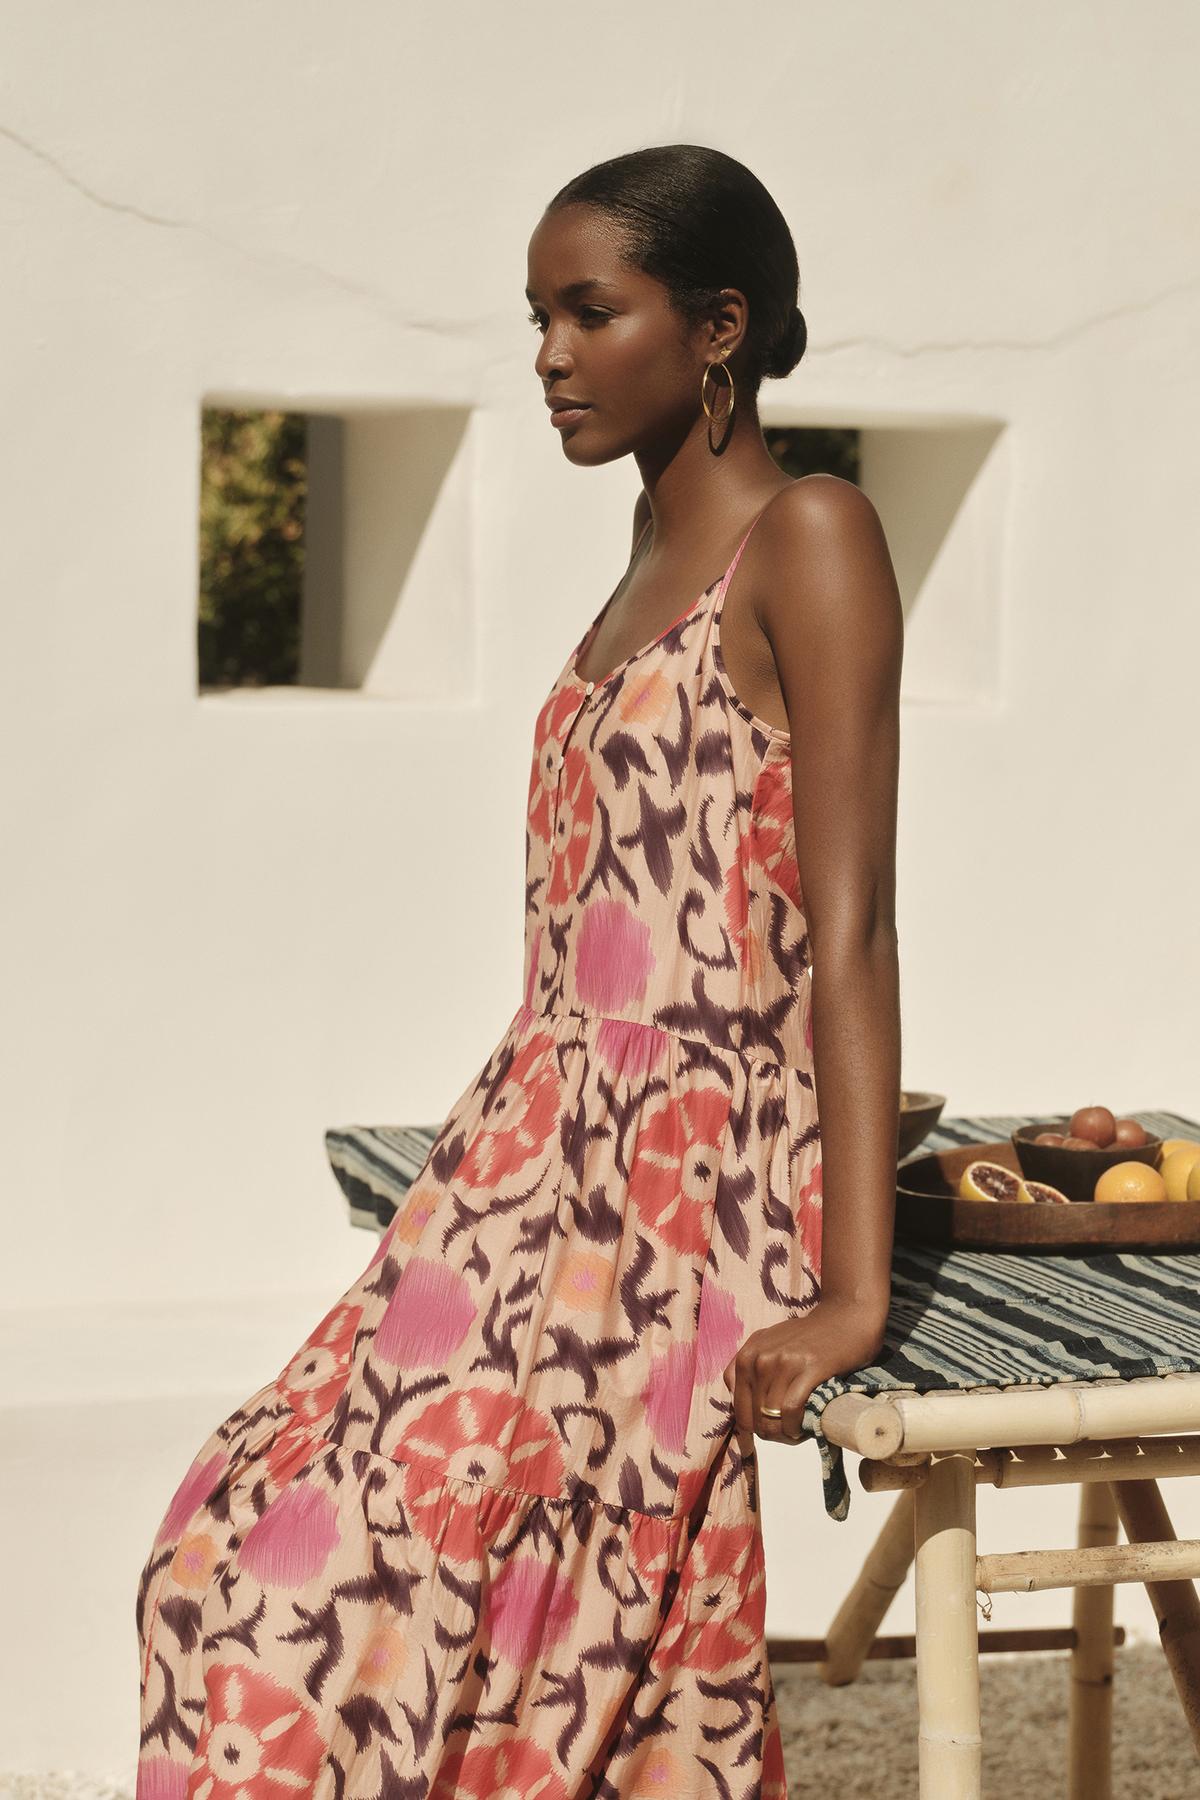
(1055, 340)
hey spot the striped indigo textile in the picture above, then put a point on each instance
(959, 1318)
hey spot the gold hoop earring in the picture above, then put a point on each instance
(728, 373)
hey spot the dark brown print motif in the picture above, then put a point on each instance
(490, 1531)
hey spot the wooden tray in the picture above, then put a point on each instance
(928, 1210)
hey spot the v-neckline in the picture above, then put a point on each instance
(598, 681)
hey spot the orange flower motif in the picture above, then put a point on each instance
(194, 1561)
(384, 1657)
(412, 1218)
(674, 1173)
(572, 826)
(646, 700)
(521, 1120)
(584, 1280)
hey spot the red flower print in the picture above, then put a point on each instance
(521, 1120)
(613, 956)
(258, 1742)
(572, 826)
(810, 1214)
(525, 1454)
(773, 828)
(313, 1380)
(515, 1769)
(674, 1173)
(548, 730)
(531, 1607)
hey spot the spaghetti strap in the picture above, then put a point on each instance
(737, 555)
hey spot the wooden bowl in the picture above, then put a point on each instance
(1074, 1172)
(929, 1210)
(919, 1113)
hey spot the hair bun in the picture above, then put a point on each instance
(791, 346)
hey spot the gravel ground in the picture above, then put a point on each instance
(848, 1736)
(845, 1739)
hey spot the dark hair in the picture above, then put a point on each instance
(698, 220)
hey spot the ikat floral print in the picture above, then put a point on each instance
(490, 1533)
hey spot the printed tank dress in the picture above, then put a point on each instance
(490, 1532)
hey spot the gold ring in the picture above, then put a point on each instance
(771, 1412)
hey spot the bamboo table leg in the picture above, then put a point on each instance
(950, 1745)
(861, 1612)
(1089, 1719)
(1176, 1606)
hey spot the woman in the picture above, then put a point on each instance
(494, 1529)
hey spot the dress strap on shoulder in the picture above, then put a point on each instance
(737, 555)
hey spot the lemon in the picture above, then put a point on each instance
(1176, 1168)
(1170, 1144)
(1193, 1181)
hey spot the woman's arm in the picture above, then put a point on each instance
(834, 622)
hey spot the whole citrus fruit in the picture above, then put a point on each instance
(1175, 1169)
(1193, 1182)
(1128, 1182)
(1170, 1144)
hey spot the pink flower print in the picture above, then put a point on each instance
(667, 1395)
(573, 821)
(191, 1494)
(158, 1779)
(291, 1540)
(630, 1049)
(675, 1166)
(258, 1742)
(613, 956)
(719, 1333)
(736, 899)
(313, 1380)
(427, 1317)
(809, 1211)
(531, 1607)
(521, 1120)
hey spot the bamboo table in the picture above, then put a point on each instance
(1116, 1437)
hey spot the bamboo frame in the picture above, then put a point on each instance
(1176, 1605)
(861, 1613)
(1064, 1413)
(1048, 1465)
(950, 1745)
(1089, 1703)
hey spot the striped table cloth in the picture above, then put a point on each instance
(959, 1318)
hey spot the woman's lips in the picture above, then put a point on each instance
(568, 415)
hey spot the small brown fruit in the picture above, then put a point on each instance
(1095, 1123)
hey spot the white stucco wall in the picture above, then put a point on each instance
(230, 924)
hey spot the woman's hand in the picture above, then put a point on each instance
(782, 1364)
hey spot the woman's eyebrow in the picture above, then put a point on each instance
(574, 289)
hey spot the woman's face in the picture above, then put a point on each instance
(609, 338)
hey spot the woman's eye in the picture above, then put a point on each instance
(594, 311)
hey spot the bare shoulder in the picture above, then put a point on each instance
(641, 516)
(824, 562)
